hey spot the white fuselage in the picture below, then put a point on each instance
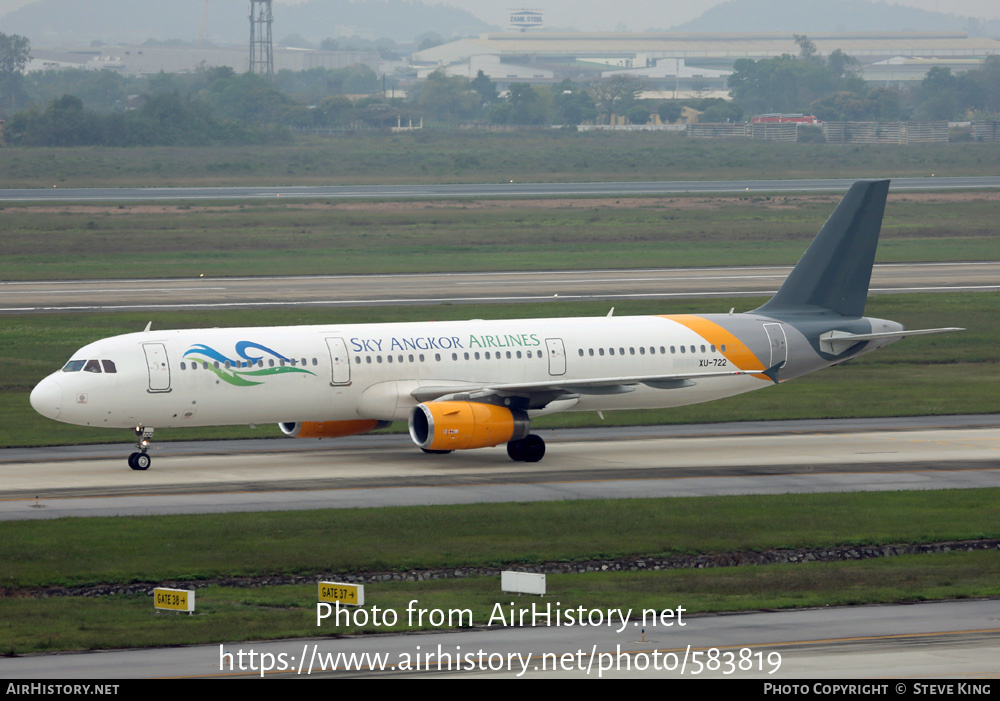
(373, 371)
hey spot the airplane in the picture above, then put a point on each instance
(463, 385)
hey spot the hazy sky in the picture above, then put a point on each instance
(637, 15)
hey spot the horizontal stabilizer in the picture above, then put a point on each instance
(836, 342)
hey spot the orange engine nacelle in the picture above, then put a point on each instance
(463, 425)
(330, 429)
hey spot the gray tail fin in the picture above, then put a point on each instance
(834, 272)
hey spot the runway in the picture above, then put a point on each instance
(361, 290)
(460, 190)
(377, 471)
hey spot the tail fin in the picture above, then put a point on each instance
(834, 272)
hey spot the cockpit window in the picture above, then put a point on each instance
(90, 366)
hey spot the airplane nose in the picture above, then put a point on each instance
(46, 398)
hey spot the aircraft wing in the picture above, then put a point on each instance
(537, 394)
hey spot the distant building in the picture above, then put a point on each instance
(676, 74)
(149, 60)
(900, 71)
(775, 118)
(644, 47)
(584, 55)
(501, 73)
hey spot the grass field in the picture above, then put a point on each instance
(76, 551)
(398, 539)
(95, 241)
(465, 156)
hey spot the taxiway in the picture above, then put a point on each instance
(387, 470)
(476, 288)
(459, 190)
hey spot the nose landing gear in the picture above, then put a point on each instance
(140, 460)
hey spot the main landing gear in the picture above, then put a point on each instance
(140, 460)
(531, 448)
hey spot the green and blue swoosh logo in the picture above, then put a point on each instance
(247, 369)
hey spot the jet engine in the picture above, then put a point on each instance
(330, 429)
(459, 425)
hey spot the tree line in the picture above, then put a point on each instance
(217, 105)
(832, 89)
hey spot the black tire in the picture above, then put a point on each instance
(141, 461)
(131, 460)
(532, 448)
(515, 451)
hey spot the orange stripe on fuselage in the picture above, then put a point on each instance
(736, 351)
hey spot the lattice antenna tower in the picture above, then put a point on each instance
(261, 50)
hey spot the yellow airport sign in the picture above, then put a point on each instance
(173, 599)
(348, 594)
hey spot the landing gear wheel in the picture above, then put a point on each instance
(514, 451)
(436, 452)
(529, 449)
(532, 448)
(139, 461)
